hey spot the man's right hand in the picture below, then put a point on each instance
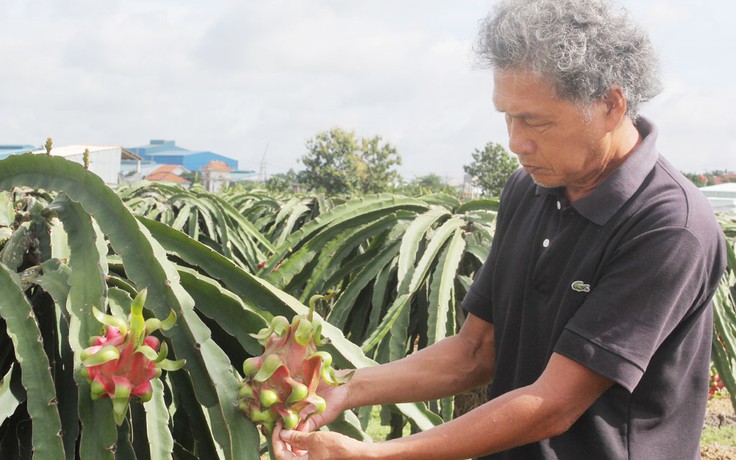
(336, 399)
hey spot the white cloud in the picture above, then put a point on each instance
(696, 125)
(234, 76)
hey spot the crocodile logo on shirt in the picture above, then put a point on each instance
(580, 286)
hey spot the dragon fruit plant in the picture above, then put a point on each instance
(121, 363)
(281, 384)
(68, 242)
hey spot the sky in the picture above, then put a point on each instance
(255, 80)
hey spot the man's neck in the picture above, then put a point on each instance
(624, 140)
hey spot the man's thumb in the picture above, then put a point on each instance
(292, 436)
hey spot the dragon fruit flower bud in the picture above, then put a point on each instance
(268, 398)
(299, 391)
(121, 363)
(290, 419)
(251, 366)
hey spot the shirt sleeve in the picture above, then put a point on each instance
(478, 299)
(655, 281)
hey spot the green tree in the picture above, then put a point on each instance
(338, 162)
(717, 176)
(422, 185)
(491, 167)
(194, 177)
(282, 182)
(701, 180)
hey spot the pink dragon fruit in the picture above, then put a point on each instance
(281, 384)
(121, 363)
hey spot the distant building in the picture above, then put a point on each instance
(243, 175)
(7, 150)
(167, 152)
(170, 174)
(104, 160)
(216, 175)
(721, 196)
(132, 171)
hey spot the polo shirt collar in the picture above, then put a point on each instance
(606, 199)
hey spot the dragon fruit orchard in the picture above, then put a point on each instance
(282, 383)
(121, 363)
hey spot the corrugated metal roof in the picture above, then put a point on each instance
(69, 150)
(721, 196)
(166, 151)
(725, 187)
(15, 149)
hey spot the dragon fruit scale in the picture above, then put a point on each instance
(121, 363)
(281, 384)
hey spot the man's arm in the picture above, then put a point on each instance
(539, 411)
(450, 366)
(544, 409)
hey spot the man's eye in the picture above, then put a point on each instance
(538, 124)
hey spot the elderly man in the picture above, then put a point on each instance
(591, 316)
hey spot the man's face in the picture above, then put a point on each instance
(555, 142)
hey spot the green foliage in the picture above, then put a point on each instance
(77, 246)
(282, 182)
(424, 185)
(711, 177)
(91, 205)
(338, 162)
(724, 313)
(400, 265)
(490, 168)
(205, 217)
(226, 263)
(725, 436)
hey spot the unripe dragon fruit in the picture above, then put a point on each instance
(281, 384)
(121, 363)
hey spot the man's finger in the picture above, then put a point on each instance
(296, 441)
(307, 425)
(280, 449)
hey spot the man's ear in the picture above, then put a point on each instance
(615, 102)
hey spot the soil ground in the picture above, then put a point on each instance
(720, 416)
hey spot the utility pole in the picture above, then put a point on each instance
(262, 170)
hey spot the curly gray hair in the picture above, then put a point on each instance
(583, 46)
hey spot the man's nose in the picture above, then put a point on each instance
(519, 142)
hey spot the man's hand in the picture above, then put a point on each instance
(281, 449)
(336, 402)
(318, 445)
(300, 444)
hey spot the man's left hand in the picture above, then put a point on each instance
(317, 445)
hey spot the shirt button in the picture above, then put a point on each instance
(545, 243)
(559, 205)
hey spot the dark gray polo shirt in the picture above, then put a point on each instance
(619, 281)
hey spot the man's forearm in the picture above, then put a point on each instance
(533, 413)
(448, 367)
(515, 419)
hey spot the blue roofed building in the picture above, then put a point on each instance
(167, 152)
(15, 149)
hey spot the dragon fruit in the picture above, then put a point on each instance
(281, 384)
(121, 363)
